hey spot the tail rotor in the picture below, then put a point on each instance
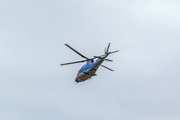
(107, 51)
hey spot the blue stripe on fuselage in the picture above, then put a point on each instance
(89, 66)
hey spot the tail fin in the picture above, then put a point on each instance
(107, 51)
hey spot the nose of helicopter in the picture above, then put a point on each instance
(77, 80)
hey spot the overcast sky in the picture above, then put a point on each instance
(144, 86)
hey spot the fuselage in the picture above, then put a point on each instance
(89, 69)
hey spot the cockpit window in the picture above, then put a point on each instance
(84, 64)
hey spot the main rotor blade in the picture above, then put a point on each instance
(109, 60)
(107, 68)
(76, 51)
(98, 57)
(73, 62)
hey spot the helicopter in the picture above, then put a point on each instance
(89, 69)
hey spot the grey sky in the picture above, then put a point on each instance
(144, 86)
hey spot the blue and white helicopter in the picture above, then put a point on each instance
(89, 69)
